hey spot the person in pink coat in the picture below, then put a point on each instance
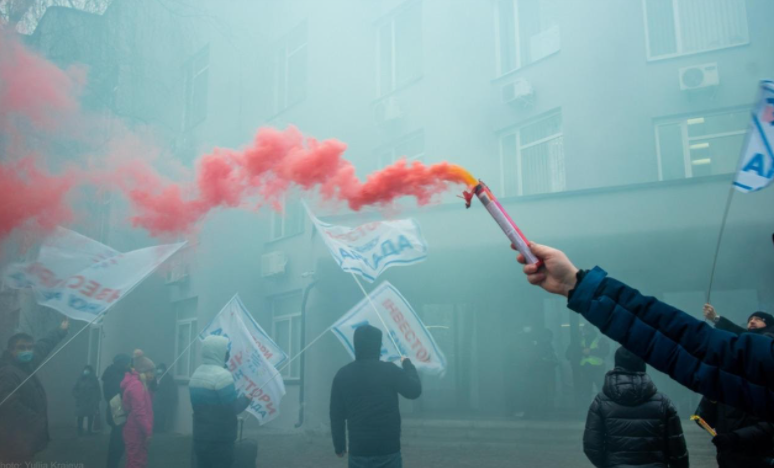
(138, 406)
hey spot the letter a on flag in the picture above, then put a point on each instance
(756, 168)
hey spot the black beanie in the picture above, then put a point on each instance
(368, 342)
(767, 318)
(626, 360)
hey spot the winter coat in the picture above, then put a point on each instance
(24, 416)
(138, 405)
(165, 397)
(214, 397)
(364, 398)
(111, 386)
(630, 423)
(736, 370)
(755, 446)
(87, 395)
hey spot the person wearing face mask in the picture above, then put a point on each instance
(87, 394)
(164, 400)
(24, 415)
(138, 405)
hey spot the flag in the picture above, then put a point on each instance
(756, 169)
(371, 248)
(253, 360)
(403, 324)
(81, 277)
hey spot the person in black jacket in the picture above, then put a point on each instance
(86, 392)
(111, 386)
(631, 423)
(364, 399)
(736, 370)
(164, 400)
(742, 440)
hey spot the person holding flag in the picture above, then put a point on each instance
(24, 407)
(364, 402)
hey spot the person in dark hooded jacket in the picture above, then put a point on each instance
(364, 401)
(87, 394)
(743, 440)
(631, 423)
(111, 386)
(24, 409)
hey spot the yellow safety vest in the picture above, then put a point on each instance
(593, 360)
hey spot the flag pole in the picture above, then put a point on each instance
(720, 238)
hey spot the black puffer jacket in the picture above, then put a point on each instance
(630, 423)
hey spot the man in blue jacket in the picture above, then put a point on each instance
(735, 370)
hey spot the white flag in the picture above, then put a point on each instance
(371, 248)
(253, 359)
(756, 169)
(403, 324)
(83, 278)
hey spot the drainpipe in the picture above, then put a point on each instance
(304, 301)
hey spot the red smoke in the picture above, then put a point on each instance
(31, 198)
(274, 162)
(34, 88)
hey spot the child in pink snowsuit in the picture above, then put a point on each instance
(138, 406)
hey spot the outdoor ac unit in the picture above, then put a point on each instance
(518, 92)
(273, 264)
(699, 76)
(388, 110)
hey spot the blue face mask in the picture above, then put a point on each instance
(25, 356)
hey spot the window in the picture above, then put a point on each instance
(411, 147)
(532, 157)
(186, 334)
(527, 31)
(700, 145)
(286, 328)
(290, 221)
(678, 27)
(399, 48)
(196, 88)
(290, 69)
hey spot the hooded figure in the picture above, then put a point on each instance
(630, 423)
(87, 395)
(138, 405)
(111, 386)
(215, 405)
(364, 400)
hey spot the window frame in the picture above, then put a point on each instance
(276, 217)
(97, 354)
(287, 371)
(517, 131)
(391, 19)
(686, 139)
(192, 74)
(394, 156)
(679, 37)
(282, 57)
(500, 71)
(193, 336)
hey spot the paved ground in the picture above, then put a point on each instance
(447, 444)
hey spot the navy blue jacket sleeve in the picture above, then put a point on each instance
(736, 370)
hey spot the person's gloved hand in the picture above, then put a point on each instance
(725, 442)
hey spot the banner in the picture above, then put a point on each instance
(81, 277)
(403, 324)
(371, 248)
(254, 357)
(756, 169)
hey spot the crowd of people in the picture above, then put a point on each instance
(629, 422)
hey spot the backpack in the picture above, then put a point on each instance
(117, 410)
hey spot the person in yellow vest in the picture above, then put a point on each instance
(588, 362)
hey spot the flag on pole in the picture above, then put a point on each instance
(253, 360)
(756, 168)
(403, 324)
(371, 248)
(81, 277)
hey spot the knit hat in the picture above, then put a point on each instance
(768, 319)
(626, 360)
(141, 363)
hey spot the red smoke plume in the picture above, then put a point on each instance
(275, 161)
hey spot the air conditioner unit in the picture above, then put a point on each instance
(177, 273)
(273, 264)
(517, 92)
(699, 76)
(387, 110)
